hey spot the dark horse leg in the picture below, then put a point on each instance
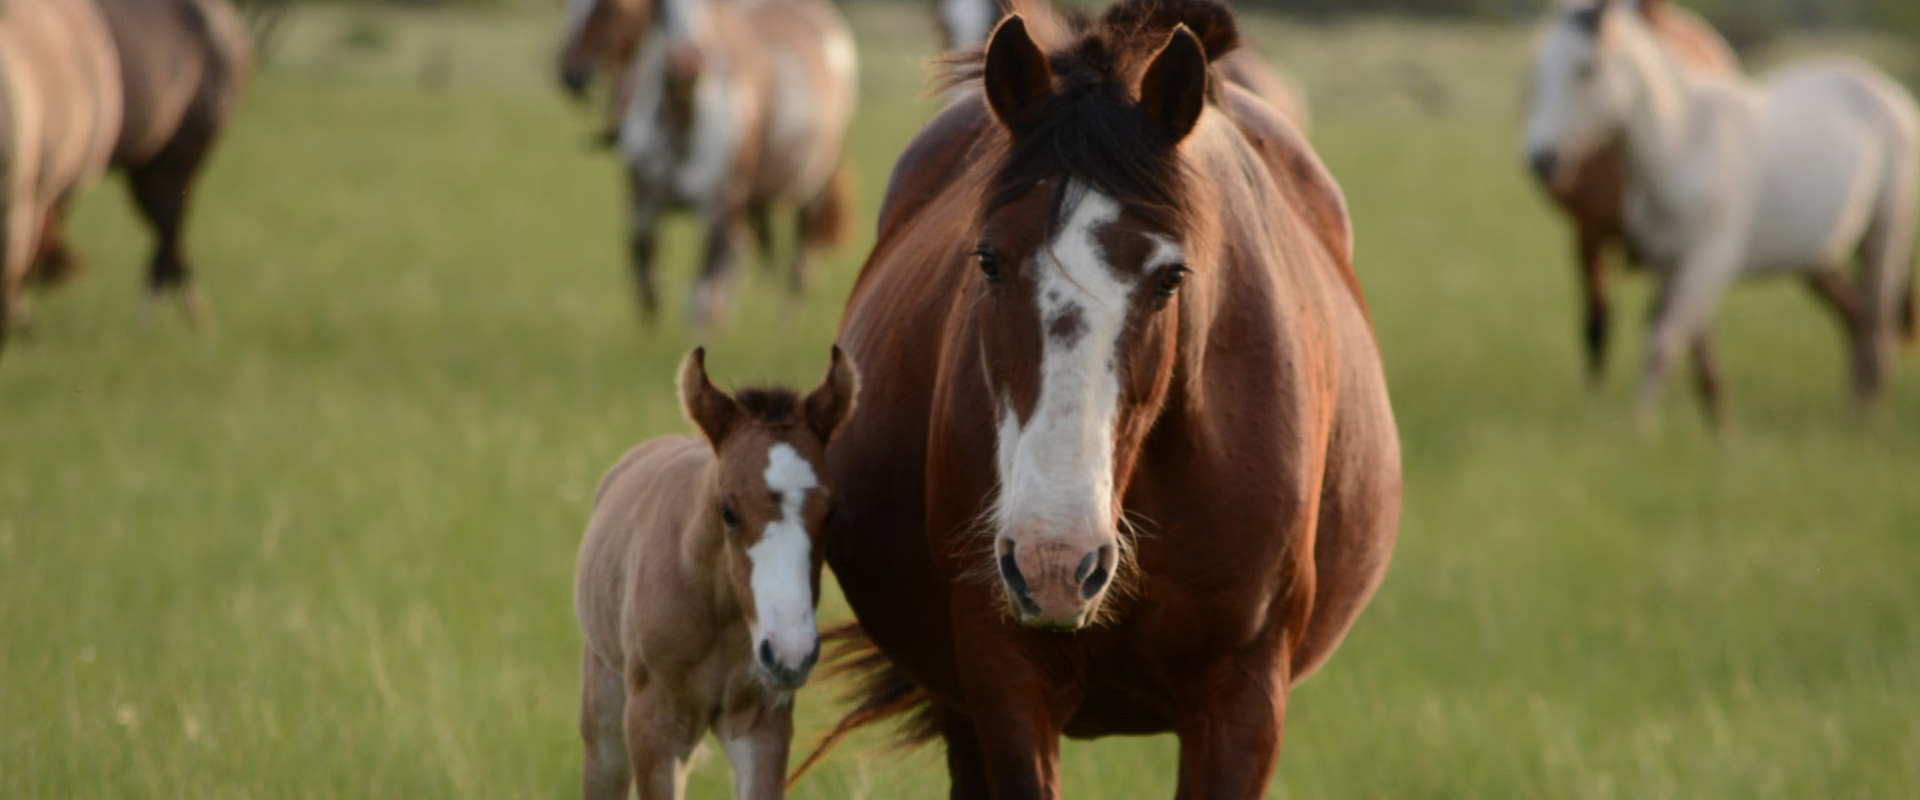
(966, 765)
(1230, 729)
(1591, 241)
(643, 232)
(1017, 714)
(161, 187)
(1844, 300)
(822, 224)
(56, 263)
(714, 288)
(1706, 381)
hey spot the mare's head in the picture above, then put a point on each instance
(770, 498)
(1089, 226)
(600, 33)
(1582, 86)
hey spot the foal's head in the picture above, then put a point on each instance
(1087, 232)
(1582, 84)
(770, 498)
(600, 32)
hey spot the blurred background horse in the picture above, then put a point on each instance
(729, 110)
(61, 109)
(1795, 175)
(1591, 191)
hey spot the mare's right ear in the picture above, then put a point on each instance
(709, 408)
(1017, 77)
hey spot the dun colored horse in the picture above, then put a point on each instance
(1795, 175)
(1126, 462)
(60, 101)
(732, 109)
(1591, 191)
(966, 23)
(183, 64)
(696, 588)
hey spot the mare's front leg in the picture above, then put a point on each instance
(756, 739)
(1017, 714)
(1685, 304)
(661, 736)
(1230, 727)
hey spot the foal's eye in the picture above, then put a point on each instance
(1170, 280)
(726, 516)
(989, 265)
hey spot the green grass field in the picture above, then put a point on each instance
(323, 547)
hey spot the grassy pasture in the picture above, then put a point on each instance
(322, 548)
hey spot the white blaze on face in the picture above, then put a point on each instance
(782, 563)
(1056, 470)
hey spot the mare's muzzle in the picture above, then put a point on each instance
(1057, 583)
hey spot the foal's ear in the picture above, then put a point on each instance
(832, 401)
(1174, 90)
(1018, 80)
(709, 408)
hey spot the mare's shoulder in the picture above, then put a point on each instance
(934, 158)
(1296, 169)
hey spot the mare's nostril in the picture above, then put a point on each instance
(1094, 572)
(766, 654)
(1017, 583)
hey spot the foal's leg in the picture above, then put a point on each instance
(1230, 732)
(661, 737)
(604, 771)
(756, 740)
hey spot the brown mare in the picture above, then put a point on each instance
(696, 588)
(1126, 462)
(730, 110)
(183, 64)
(966, 23)
(1592, 196)
(59, 115)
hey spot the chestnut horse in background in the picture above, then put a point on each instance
(729, 110)
(182, 64)
(60, 97)
(1125, 462)
(965, 24)
(1592, 191)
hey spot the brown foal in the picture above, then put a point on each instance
(696, 588)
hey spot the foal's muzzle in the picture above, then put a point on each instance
(786, 672)
(1056, 583)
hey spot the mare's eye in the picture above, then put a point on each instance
(1170, 280)
(828, 519)
(989, 265)
(727, 518)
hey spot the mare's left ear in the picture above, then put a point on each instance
(832, 401)
(1174, 90)
(708, 407)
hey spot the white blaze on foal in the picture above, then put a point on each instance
(782, 562)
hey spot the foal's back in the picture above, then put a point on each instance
(643, 506)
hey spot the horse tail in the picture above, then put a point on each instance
(881, 690)
(823, 222)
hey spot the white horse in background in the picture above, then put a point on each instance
(1792, 175)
